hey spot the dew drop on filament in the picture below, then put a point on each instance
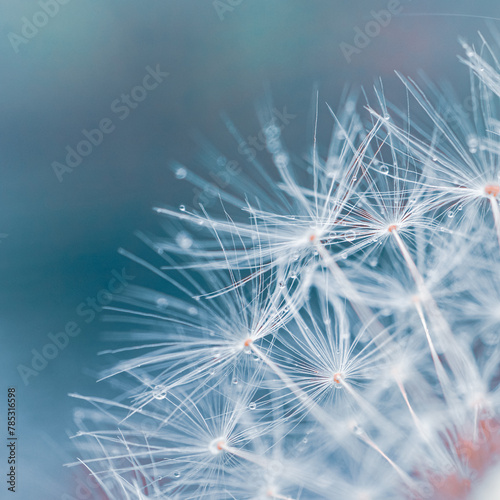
(350, 235)
(162, 303)
(184, 240)
(159, 392)
(181, 173)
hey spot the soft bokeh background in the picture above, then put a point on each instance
(59, 240)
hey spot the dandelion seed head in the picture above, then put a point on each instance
(370, 266)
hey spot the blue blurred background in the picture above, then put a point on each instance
(59, 236)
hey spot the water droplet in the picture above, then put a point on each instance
(305, 440)
(282, 284)
(181, 173)
(235, 381)
(192, 311)
(357, 430)
(281, 160)
(451, 214)
(272, 132)
(184, 240)
(373, 262)
(159, 392)
(350, 235)
(182, 208)
(468, 50)
(384, 169)
(252, 406)
(472, 143)
(177, 474)
(162, 303)
(344, 255)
